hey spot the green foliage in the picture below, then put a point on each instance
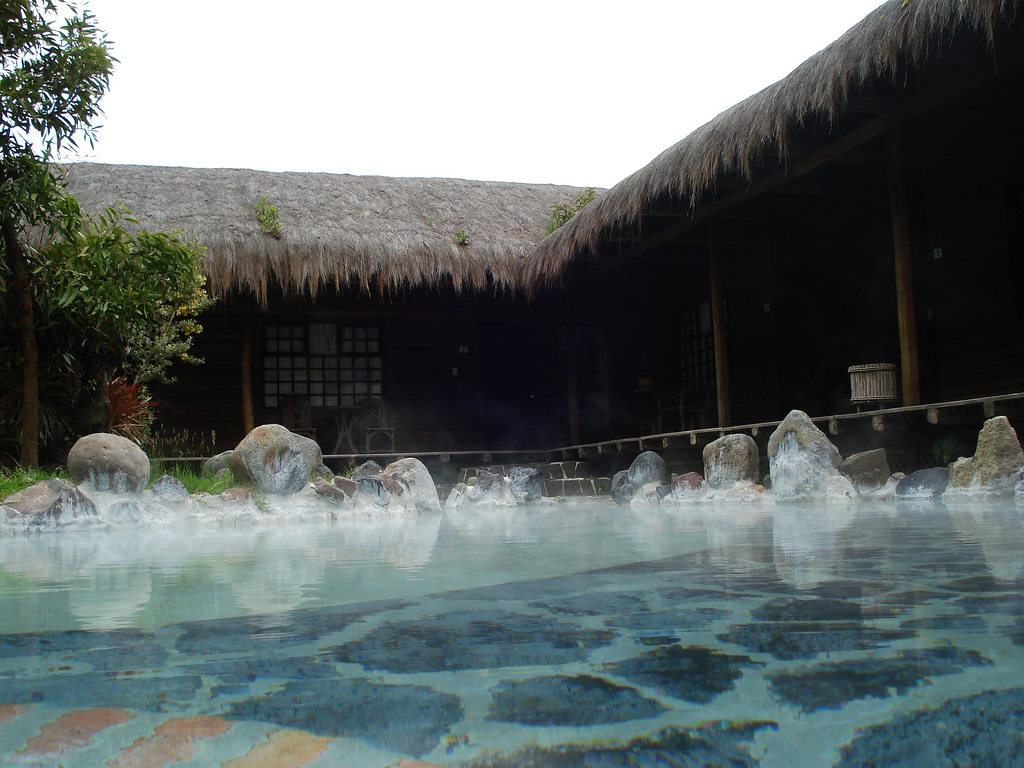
(133, 298)
(18, 479)
(461, 238)
(562, 212)
(267, 217)
(55, 68)
(197, 482)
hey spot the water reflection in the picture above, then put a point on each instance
(148, 578)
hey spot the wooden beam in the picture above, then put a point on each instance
(906, 313)
(718, 321)
(573, 379)
(248, 420)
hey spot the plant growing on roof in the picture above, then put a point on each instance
(267, 217)
(461, 238)
(562, 212)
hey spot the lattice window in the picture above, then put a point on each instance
(331, 364)
(698, 349)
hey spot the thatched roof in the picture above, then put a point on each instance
(376, 232)
(897, 35)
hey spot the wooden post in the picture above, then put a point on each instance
(573, 383)
(718, 321)
(248, 420)
(904, 276)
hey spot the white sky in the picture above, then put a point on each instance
(532, 91)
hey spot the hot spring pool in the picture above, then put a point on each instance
(563, 635)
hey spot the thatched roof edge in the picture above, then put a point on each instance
(379, 234)
(898, 33)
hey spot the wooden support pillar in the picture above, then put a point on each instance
(573, 382)
(718, 321)
(248, 420)
(904, 275)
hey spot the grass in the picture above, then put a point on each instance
(17, 479)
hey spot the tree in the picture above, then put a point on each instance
(55, 67)
(83, 296)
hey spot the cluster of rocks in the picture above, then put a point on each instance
(517, 485)
(270, 462)
(804, 464)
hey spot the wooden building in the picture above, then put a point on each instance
(866, 209)
(408, 290)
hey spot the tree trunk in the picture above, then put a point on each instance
(15, 256)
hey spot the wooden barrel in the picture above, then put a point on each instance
(873, 383)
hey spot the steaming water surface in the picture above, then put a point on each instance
(776, 636)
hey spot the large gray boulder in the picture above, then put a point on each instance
(867, 470)
(526, 484)
(688, 487)
(413, 474)
(731, 460)
(646, 468)
(923, 484)
(802, 461)
(995, 462)
(52, 502)
(216, 464)
(622, 490)
(272, 459)
(106, 462)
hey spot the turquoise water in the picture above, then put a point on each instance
(568, 634)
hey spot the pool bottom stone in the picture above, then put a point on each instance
(682, 661)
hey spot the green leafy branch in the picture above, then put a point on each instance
(267, 217)
(562, 212)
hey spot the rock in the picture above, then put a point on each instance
(622, 491)
(52, 502)
(740, 492)
(800, 459)
(868, 470)
(124, 512)
(367, 469)
(888, 491)
(688, 487)
(646, 468)
(372, 491)
(273, 460)
(396, 486)
(925, 483)
(456, 496)
(486, 489)
(106, 462)
(235, 495)
(421, 489)
(216, 464)
(167, 488)
(646, 495)
(347, 485)
(995, 462)
(731, 460)
(329, 491)
(840, 488)
(323, 471)
(525, 484)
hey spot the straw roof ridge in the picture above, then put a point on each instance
(897, 35)
(376, 233)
